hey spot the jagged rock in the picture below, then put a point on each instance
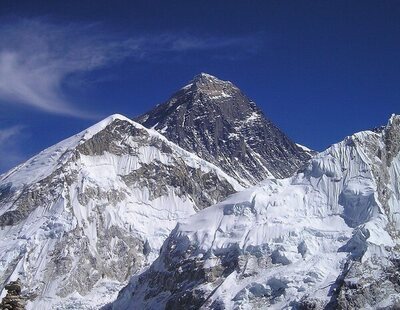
(373, 284)
(13, 300)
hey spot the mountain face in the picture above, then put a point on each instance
(325, 238)
(78, 219)
(216, 121)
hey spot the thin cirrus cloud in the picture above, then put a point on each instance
(37, 56)
(10, 150)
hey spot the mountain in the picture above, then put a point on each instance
(326, 238)
(78, 219)
(216, 121)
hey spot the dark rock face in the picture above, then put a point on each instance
(30, 198)
(112, 140)
(215, 120)
(360, 289)
(13, 300)
(180, 277)
(203, 188)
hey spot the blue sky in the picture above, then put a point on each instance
(320, 70)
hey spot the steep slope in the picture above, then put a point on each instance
(80, 217)
(327, 237)
(216, 121)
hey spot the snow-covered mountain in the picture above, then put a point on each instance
(78, 219)
(215, 120)
(328, 237)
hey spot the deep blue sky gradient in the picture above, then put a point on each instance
(320, 70)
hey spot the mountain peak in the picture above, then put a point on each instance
(393, 119)
(205, 76)
(208, 84)
(215, 120)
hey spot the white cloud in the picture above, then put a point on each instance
(7, 133)
(37, 56)
(10, 149)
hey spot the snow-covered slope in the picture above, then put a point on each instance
(326, 237)
(78, 219)
(215, 120)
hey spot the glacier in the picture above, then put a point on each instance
(325, 238)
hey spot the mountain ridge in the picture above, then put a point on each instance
(326, 238)
(78, 218)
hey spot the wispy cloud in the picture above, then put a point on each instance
(10, 149)
(8, 133)
(173, 42)
(37, 56)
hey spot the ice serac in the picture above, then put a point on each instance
(326, 238)
(215, 120)
(78, 219)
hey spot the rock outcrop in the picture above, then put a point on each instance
(13, 300)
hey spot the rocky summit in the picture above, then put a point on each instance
(215, 120)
